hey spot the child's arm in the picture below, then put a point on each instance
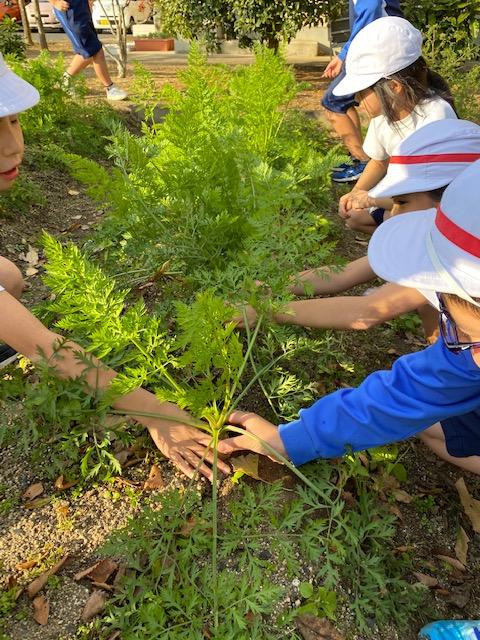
(389, 406)
(348, 312)
(183, 444)
(326, 281)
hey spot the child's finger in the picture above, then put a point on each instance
(238, 443)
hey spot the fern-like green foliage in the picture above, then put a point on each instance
(226, 189)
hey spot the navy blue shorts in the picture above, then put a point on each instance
(338, 104)
(377, 215)
(462, 434)
(78, 25)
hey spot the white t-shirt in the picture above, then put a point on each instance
(382, 137)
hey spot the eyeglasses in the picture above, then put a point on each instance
(449, 332)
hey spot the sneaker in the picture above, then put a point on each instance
(115, 93)
(7, 355)
(351, 174)
(67, 84)
(451, 630)
(341, 167)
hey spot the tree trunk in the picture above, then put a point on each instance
(41, 30)
(120, 31)
(27, 34)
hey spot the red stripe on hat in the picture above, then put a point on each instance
(435, 157)
(457, 235)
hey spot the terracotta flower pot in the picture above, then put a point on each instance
(154, 44)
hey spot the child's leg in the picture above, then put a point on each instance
(326, 281)
(434, 438)
(78, 64)
(101, 69)
(11, 278)
(362, 221)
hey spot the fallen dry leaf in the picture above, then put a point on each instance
(31, 257)
(395, 509)
(427, 581)
(37, 585)
(25, 566)
(453, 562)
(461, 546)
(73, 192)
(41, 610)
(313, 628)
(247, 464)
(470, 505)
(31, 271)
(154, 480)
(98, 572)
(38, 503)
(33, 491)
(402, 496)
(103, 585)
(62, 485)
(122, 456)
(94, 605)
(117, 581)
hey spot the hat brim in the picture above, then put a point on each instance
(397, 252)
(391, 187)
(16, 95)
(352, 84)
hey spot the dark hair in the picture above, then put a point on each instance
(419, 84)
(452, 298)
(436, 194)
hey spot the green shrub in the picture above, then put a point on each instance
(456, 19)
(61, 117)
(11, 40)
(455, 62)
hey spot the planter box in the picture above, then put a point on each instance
(154, 44)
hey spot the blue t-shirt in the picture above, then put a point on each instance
(362, 12)
(421, 389)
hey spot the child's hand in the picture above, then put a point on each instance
(257, 426)
(247, 312)
(359, 199)
(344, 205)
(333, 68)
(61, 5)
(184, 445)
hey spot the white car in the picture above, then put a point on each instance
(134, 11)
(49, 19)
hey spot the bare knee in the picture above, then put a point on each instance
(11, 278)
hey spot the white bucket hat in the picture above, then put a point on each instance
(430, 158)
(16, 95)
(380, 49)
(435, 250)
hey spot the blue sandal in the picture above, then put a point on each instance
(451, 630)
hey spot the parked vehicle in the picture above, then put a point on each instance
(11, 9)
(135, 12)
(49, 19)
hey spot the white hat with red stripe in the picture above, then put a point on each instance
(383, 47)
(435, 250)
(430, 158)
(16, 94)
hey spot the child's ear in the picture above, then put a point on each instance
(395, 86)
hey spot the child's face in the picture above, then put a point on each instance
(11, 150)
(369, 102)
(412, 202)
(467, 323)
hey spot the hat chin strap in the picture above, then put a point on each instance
(457, 289)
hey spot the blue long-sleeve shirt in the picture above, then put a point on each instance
(362, 12)
(420, 389)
